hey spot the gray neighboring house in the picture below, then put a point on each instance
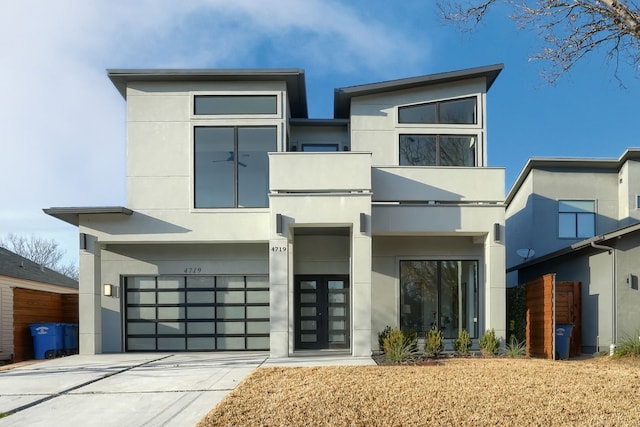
(579, 218)
(18, 273)
(250, 226)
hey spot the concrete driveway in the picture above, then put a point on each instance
(121, 389)
(134, 389)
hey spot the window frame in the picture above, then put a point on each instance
(438, 135)
(576, 216)
(479, 289)
(194, 116)
(478, 113)
(236, 187)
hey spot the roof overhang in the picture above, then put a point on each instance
(570, 164)
(343, 96)
(293, 77)
(71, 215)
(581, 245)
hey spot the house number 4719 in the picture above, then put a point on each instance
(278, 249)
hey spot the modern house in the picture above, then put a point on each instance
(250, 226)
(579, 219)
(31, 293)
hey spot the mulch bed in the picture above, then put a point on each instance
(472, 391)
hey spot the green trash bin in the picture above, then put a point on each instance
(563, 340)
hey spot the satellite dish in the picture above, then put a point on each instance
(526, 253)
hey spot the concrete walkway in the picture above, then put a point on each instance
(133, 389)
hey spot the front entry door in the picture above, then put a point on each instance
(321, 312)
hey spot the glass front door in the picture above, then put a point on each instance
(322, 312)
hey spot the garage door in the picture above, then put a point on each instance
(196, 313)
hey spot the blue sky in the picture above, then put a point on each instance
(63, 122)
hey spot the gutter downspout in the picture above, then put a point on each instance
(614, 317)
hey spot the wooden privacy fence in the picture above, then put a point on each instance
(550, 303)
(31, 306)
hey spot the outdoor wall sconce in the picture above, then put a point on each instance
(279, 223)
(363, 222)
(496, 232)
(108, 290)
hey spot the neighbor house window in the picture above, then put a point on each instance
(439, 294)
(212, 105)
(437, 150)
(455, 111)
(576, 218)
(232, 166)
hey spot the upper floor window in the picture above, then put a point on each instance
(231, 166)
(214, 105)
(576, 218)
(456, 111)
(437, 150)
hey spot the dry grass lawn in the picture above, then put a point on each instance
(456, 392)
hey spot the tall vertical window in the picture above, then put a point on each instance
(576, 218)
(440, 294)
(437, 150)
(232, 166)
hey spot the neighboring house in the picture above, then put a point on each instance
(251, 226)
(578, 218)
(31, 293)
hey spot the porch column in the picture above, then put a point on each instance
(90, 299)
(361, 283)
(279, 297)
(495, 286)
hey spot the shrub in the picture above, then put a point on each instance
(397, 348)
(462, 344)
(629, 347)
(489, 344)
(515, 348)
(381, 337)
(433, 342)
(411, 338)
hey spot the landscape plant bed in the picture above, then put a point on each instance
(472, 391)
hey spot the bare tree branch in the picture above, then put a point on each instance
(42, 251)
(570, 29)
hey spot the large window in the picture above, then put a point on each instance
(456, 111)
(440, 294)
(576, 218)
(235, 104)
(437, 150)
(232, 166)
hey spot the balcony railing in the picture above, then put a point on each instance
(301, 172)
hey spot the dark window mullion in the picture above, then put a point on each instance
(235, 166)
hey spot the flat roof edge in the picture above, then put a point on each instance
(71, 215)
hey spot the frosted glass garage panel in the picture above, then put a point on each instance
(141, 328)
(258, 297)
(230, 282)
(141, 344)
(170, 312)
(172, 344)
(257, 343)
(137, 297)
(258, 327)
(171, 328)
(230, 343)
(201, 344)
(257, 312)
(230, 312)
(230, 297)
(201, 297)
(201, 282)
(170, 297)
(258, 282)
(147, 313)
(201, 312)
(230, 328)
(141, 282)
(201, 327)
(170, 282)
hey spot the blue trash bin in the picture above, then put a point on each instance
(70, 338)
(47, 339)
(563, 340)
